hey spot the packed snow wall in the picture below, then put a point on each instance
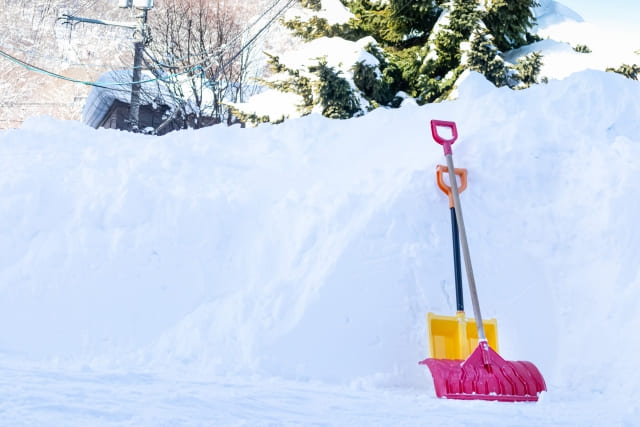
(314, 249)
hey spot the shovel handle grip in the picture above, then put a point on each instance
(441, 170)
(445, 142)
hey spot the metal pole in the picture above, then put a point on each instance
(134, 110)
(482, 337)
(140, 40)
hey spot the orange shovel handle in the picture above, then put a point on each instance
(462, 173)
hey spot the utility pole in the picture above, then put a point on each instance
(141, 37)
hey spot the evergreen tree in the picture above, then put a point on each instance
(528, 69)
(484, 57)
(292, 81)
(394, 23)
(320, 85)
(422, 47)
(334, 93)
(629, 71)
(582, 48)
(315, 5)
(509, 21)
(317, 27)
(442, 63)
(379, 84)
(284, 80)
(464, 16)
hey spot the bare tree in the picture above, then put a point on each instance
(31, 34)
(199, 50)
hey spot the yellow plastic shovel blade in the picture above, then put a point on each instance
(455, 337)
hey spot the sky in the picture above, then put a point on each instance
(619, 16)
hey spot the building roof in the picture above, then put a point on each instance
(102, 97)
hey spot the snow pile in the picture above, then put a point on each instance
(562, 30)
(312, 250)
(551, 13)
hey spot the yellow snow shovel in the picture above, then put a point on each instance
(455, 337)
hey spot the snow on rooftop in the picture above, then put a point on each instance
(113, 86)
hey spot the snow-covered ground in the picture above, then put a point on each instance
(281, 275)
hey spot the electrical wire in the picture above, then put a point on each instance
(195, 68)
(31, 53)
(228, 62)
(251, 40)
(104, 85)
(238, 36)
(198, 70)
(31, 67)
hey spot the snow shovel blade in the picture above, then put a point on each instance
(455, 337)
(484, 375)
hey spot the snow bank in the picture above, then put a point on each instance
(562, 30)
(551, 13)
(312, 250)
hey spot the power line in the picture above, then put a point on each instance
(115, 86)
(32, 53)
(252, 39)
(230, 43)
(104, 85)
(31, 67)
(197, 68)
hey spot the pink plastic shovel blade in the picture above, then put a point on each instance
(484, 375)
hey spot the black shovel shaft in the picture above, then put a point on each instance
(457, 265)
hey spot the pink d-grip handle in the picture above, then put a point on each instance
(446, 143)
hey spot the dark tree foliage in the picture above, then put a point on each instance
(319, 27)
(463, 18)
(629, 71)
(485, 58)
(528, 68)
(419, 56)
(582, 48)
(379, 84)
(396, 23)
(509, 21)
(311, 4)
(334, 93)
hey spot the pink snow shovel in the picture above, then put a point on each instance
(484, 375)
